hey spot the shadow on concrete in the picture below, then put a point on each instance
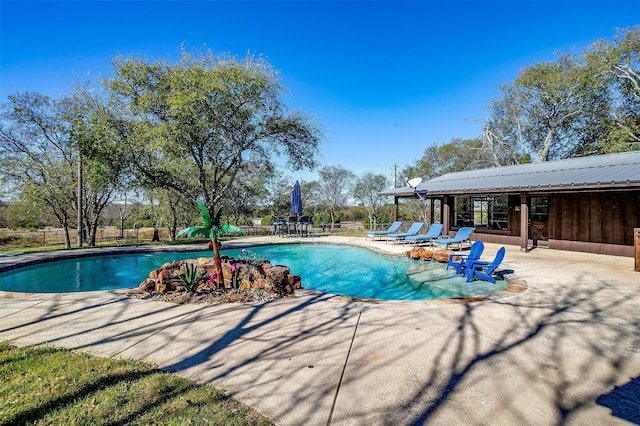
(560, 353)
(623, 401)
(566, 349)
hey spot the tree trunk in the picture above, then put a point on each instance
(548, 140)
(90, 227)
(64, 223)
(156, 235)
(67, 239)
(121, 228)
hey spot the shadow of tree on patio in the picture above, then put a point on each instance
(555, 352)
(564, 364)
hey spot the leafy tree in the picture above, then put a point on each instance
(38, 155)
(335, 187)
(102, 158)
(366, 191)
(311, 197)
(192, 126)
(246, 193)
(579, 104)
(168, 208)
(277, 193)
(454, 156)
(551, 110)
(125, 208)
(618, 64)
(42, 142)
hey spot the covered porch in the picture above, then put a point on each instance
(589, 204)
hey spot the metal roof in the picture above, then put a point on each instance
(596, 172)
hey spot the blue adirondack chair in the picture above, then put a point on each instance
(484, 270)
(466, 259)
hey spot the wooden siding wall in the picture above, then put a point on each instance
(598, 217)
(514, 215)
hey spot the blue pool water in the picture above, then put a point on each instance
(336, 269)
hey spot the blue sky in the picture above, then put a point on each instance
(384, 79)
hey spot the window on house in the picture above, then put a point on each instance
(437, 211)
(499, 213)
(433, 210)
(463, 211)
(482, 212)
(539, 209)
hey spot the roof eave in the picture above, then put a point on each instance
(613, 186)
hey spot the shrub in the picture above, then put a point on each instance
(189, 277)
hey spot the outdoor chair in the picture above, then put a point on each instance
(466, 259)
(393, 228)
(413, 230)
(303, 224)
(463, 235)
(280, 226)
(484, 270)
(434, 232)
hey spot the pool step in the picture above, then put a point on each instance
(443, 281)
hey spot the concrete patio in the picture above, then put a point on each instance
(565, 351)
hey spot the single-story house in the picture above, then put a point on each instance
(589, 204)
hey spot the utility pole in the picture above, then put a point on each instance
(79, 201)
(395, 175)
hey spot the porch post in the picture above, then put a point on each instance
(446, 215)
(636, 243)
(395, 209)
(524, 223)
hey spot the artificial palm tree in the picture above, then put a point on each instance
(211, 229)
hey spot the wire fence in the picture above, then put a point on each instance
(113, 235)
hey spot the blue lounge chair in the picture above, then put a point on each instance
(466, 259)
(463, 234)
(434, 232)
(484, 270)
(393, 228)
(413, 230)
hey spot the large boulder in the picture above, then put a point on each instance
(420, 253)
(165, 281)
(148, 285)
(442, 255)
(426, 255)
(278, 280)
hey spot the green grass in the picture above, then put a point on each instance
(47, 386)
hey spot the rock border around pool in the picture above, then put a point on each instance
(237, 274)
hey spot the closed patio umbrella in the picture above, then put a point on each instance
(296, 201)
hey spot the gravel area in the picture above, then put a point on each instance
(213, 297)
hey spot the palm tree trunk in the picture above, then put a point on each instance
(217, 261)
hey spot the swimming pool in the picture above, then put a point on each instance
(337, 269)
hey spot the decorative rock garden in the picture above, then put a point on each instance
(275, 280)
